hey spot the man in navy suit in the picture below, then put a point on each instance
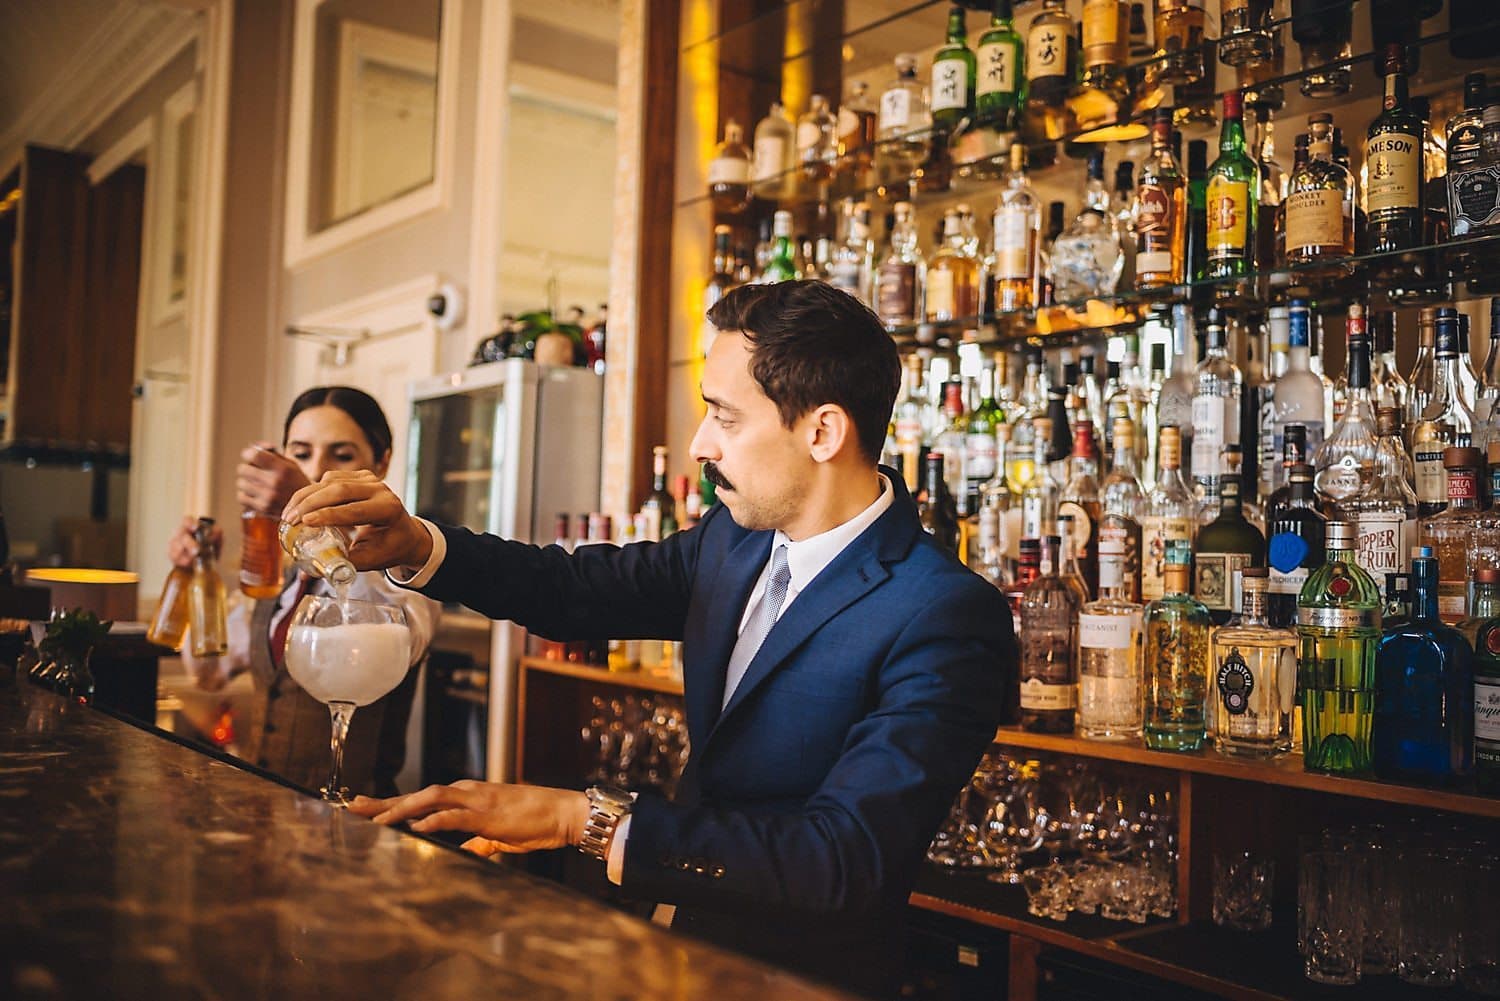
(843, 672)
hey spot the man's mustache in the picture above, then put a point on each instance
(711, 474)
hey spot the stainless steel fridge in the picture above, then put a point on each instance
(499, 448)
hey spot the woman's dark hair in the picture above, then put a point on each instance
(812, 344)
(359, 405)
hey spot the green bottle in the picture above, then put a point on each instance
(953, 70)
(1000, 90)
(1338, 630)
(1233, 186)
(782, 266)
(1175, 670)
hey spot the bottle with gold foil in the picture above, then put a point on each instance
(1161, 211)
(1393, 159)
(1102, 96)
(1244, 38)
(1013, 279)
(1179, 41)
(1338, 630)
(1320, 205)
(1175, 669)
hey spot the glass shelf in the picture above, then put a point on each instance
(1437, 71)
(1101, 316)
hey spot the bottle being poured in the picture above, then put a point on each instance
(320, 551)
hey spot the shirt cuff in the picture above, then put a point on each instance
(614, 863)
(404, 577)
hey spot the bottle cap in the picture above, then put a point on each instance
(1421, 552)
(1339, 534)
(1233, 104)
(1179, 553)
(1388, 421)
(1487, 575)
(1255, 573)
(1461, 458)
(1300, 472)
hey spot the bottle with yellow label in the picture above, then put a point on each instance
(1393, 164)
(1233, 187)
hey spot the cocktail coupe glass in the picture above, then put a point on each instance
(346, 653)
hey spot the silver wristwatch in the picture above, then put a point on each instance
(608, 805)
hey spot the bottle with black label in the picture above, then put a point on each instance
(1295, 547)
(1393, 159)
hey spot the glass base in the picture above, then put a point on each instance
(1174, 740)
(339, 797)
(1331, 83)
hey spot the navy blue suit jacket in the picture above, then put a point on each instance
(809, 800)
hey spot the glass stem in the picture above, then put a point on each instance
(341, 713)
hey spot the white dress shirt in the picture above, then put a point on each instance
(805, 560)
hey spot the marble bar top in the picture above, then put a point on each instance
(133, 866)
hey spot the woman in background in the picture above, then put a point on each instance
(329, 427)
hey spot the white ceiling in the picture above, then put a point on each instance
(40, 39)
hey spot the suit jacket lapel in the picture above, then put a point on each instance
(710, 657)
(844, 581)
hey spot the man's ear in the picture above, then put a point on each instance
(829, 430)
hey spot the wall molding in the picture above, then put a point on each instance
(132, 45)
(301, 242)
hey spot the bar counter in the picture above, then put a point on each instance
(133, 866)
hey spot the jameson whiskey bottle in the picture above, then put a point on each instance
(1393, 158)
(1338, 630)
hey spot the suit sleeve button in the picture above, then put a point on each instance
(717, 872)
(684, 864)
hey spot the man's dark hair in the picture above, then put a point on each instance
(812, 344)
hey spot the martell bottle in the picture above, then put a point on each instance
(1049, 670)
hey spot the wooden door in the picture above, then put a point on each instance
(51, 261)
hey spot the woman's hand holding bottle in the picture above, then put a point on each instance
(265, 480)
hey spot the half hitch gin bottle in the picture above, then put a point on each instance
(1338, 629)
(1255, 677)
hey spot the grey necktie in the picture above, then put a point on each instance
(761, 621)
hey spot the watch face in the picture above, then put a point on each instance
(612, 795)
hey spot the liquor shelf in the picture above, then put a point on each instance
(1285, 771)
(987, 173)
(1101, 316)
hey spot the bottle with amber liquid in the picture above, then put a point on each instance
(1320, 205)
(1161, 211)
(1393, 158)
(1179, 40)
(729, 171)
(206, 603)
(260, 556)
(170, 621)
